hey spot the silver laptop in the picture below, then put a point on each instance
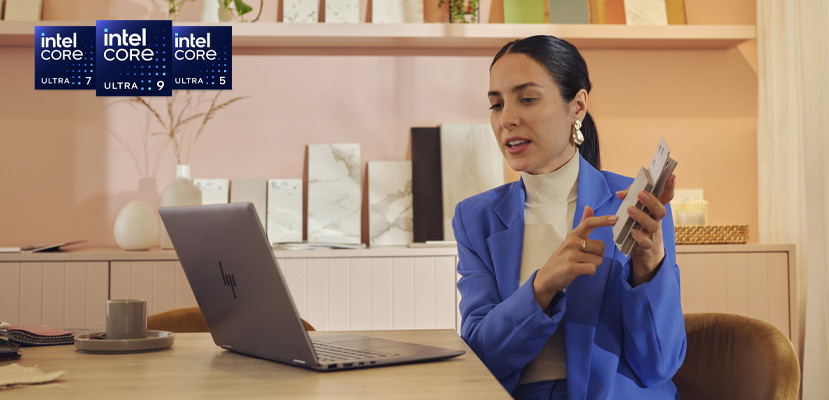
(231, 268)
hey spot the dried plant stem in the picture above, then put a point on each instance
(182, 109)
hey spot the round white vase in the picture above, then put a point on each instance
(214, 11)
(136, 227)
(181, 192)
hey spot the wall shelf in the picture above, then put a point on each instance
(321, 36)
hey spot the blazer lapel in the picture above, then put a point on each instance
(585, 294)
(505, 246)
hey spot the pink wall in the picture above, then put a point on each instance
(64, 174)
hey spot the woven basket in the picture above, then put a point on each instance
(711, 234)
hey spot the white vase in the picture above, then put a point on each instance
(214, 11)
(181, 192)
(136, 227)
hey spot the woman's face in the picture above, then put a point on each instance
(532, 124)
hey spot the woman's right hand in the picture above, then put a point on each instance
(571, 260)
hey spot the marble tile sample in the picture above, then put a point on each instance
(284, 210)
(213, 191)
(334, 193)
(342, 11)
(646, 12)
(253, 191)
(427, 207)
(390, 203)
(471, 163)
(397, 11)
(301, 11)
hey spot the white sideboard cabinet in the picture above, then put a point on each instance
(379, 288)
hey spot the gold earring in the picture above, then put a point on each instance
(578, 138)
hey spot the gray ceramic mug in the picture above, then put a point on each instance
(126, 319)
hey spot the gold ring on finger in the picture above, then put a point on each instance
(584, 246)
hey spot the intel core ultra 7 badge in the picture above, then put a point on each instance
(133, 58)
(202, 57)
(64, 57)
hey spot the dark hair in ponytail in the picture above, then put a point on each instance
(569, 71)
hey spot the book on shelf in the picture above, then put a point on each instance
(524, 11)
(646, 12)
(607, 12)
(569, 12)
(676, 12)
(38, 248)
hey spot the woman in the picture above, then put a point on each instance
(548, 302)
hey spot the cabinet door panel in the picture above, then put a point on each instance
(164, 286)
(53, 294)
(360, 298)
(424, 292)
(316, 289)
(381, 293)
(31, 293)
(184, 294)
(338, 294)
(402, 293)
(737, 277)
(778, 264)
(758, 286)
(75, 294)
(10, 292)
(445, 305)
(97, 291)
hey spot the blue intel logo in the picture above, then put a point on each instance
(202, 57)
(64, 57)
(133, 58)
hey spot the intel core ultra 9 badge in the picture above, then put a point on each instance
(133, 58)
(202, 57)
(64, 57)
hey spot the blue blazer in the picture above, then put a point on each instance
(622, 342)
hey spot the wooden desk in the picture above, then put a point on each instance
(195, 368)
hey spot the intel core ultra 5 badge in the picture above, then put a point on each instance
(133, 58)
(64, 57)
(202, 57)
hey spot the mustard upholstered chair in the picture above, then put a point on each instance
(735, 357)
(186, 320)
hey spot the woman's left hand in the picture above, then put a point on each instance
(648, 252)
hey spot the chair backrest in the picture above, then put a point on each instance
(188, 319)
(735, 357)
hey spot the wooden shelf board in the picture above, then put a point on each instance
(440, 36)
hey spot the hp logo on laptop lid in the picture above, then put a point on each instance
(229, 279)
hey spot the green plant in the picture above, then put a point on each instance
(175, 7)
(238, 8)
(459, 9)
(182, 109)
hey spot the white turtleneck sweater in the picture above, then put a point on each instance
(548, 216)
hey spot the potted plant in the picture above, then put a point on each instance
(462, 11)
(218, 10)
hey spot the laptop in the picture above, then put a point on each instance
(230, 265)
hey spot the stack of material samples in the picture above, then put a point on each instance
(42, 335)
(8, 349)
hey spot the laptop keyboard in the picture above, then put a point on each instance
(327, 352)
